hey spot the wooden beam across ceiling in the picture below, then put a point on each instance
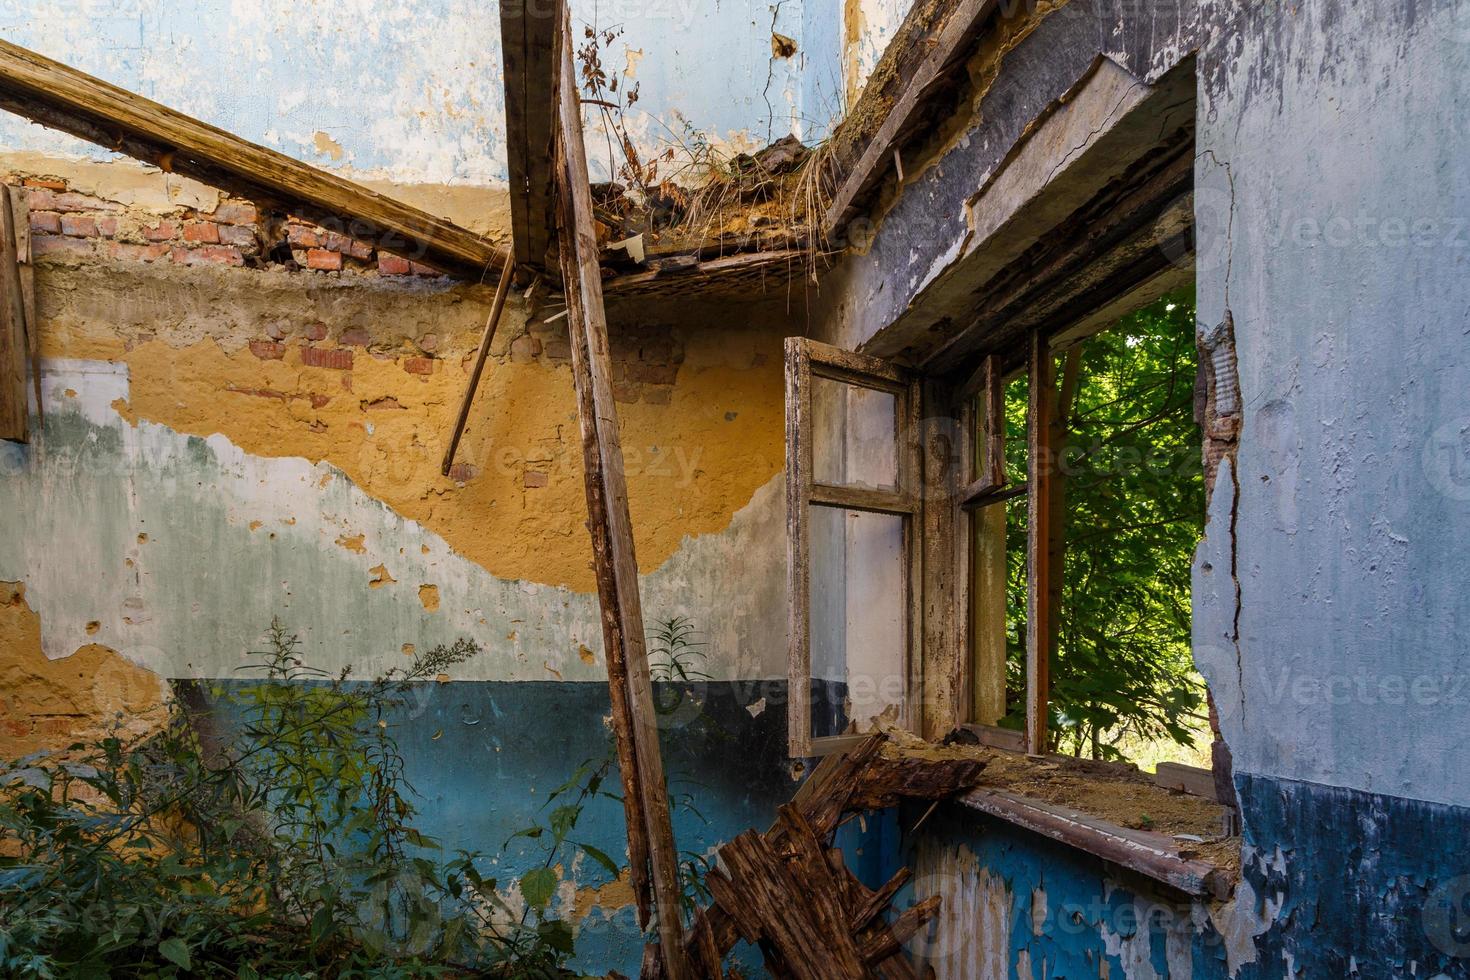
(530, 37)
(931, 43)
(58, 96)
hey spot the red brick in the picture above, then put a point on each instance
(50, 185)
(323, 260)
(137, 253)
(320, 401)
(302, 236)
(535, 479)
(108, 227)
(79, 225)
(201, 231)
(419, 365)
(429, 342)
(161, 232)
(392, 265)
(46, 200)
(268, 350)
(56, 245)
(236, 213)
(240, 235)
(208, 255)
(419, 269)
(317, 357)
(346, 245)
(316, 331)
(356, 337)
(46, 222)
(463, 472)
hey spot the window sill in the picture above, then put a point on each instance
(1153, 855)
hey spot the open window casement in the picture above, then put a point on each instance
(853, 477)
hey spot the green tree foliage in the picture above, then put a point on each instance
(1122, 670)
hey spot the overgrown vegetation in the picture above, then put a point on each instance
(1122, 673)
(286, 849)
(270, 830)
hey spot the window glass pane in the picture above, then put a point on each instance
(854, 435)
(859, 627)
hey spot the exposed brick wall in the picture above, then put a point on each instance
(66, 222)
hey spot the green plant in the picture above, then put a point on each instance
(1134, 491)
(673, 652)
(287, 850)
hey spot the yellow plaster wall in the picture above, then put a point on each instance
(49, 704)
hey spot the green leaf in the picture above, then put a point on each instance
(176, 951)
(537, 887)
(557, 935)
(601, 858)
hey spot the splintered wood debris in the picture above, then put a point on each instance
(788, 892)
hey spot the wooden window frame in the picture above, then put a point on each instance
(991, 488)
(806, 359)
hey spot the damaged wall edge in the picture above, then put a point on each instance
(63, 98)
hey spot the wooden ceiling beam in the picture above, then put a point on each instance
(60, 97)
(530, 37)
(928, 46)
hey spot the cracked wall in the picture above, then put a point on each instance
(229, 441)
(1328, 608)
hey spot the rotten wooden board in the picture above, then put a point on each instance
(1149, 854)
(58, 96)
(15, 342)
(616, 563)
(922, 58)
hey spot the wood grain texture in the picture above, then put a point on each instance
(923, 60)
(1147, 853)
(582, 275)
(806, 359)
(502, 289)
(1041, 471)
(14, 346)
(798, 547)
(530, 38)
(61, 97)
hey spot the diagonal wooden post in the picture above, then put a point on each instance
(609, 522)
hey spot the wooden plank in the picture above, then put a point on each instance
(63, 98)
(1186, 779)
(889, 941)
(530, 35)
(20, 212)
(944, 664)
(798, 547)
(910, 483)
(955, 37)
(582, 276)
(607, 593)
(854, 368)
(1041, 470)
(14, 347)
(864, 499)
(1008, 739)
(496, 309)
(1149, 854)
(988, 615)
(787, 917)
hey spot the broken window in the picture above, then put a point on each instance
(1036, 584)
(1079, 591)
(853, 499)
